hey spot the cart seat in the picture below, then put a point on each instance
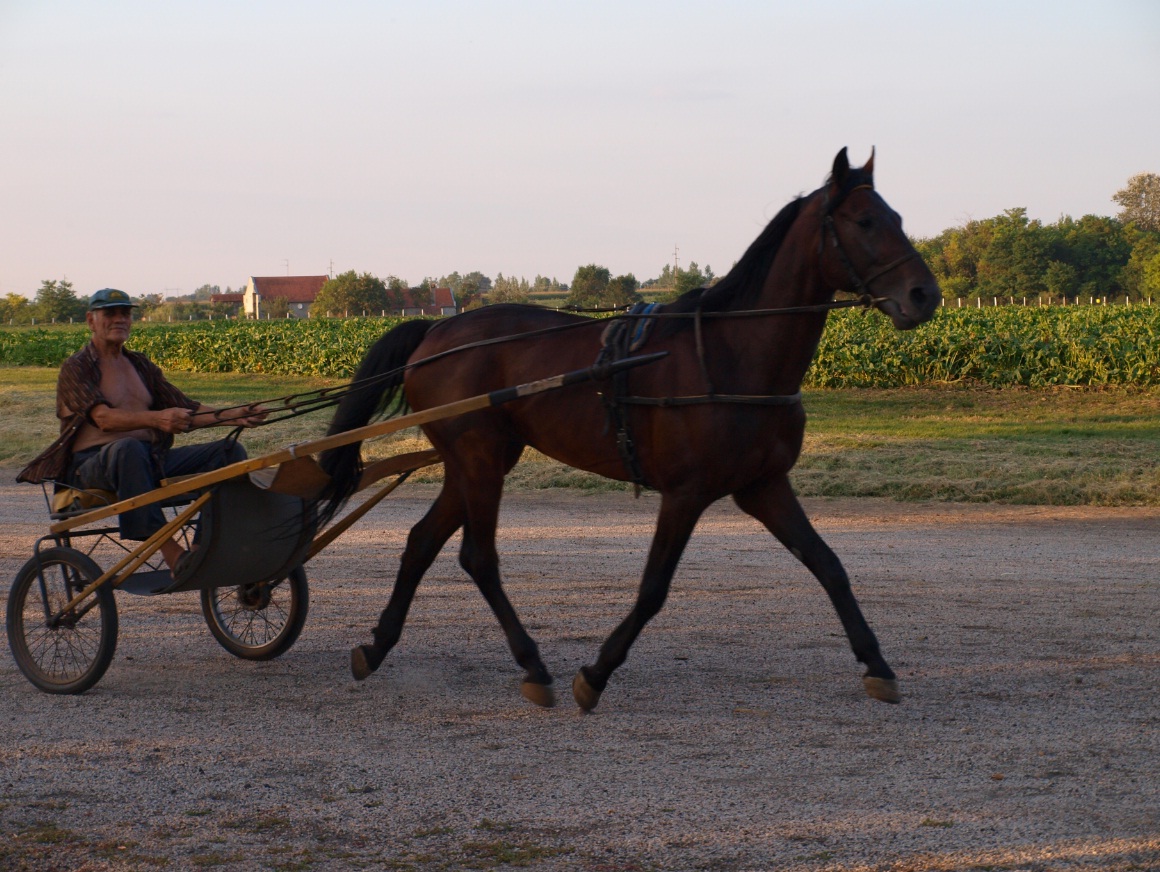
(246, 535)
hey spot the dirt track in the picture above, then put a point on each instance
(736, 736)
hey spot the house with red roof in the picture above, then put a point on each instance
(298, 291)
(301, 291)
(442, 303)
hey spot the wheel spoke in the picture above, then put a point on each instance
(257, 621)
(71, 654)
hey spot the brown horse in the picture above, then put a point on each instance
(737, 354)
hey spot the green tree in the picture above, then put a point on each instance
(685, 280)
(150, 307)
(588, 287)
(663, 281)
(1097, 248)
(1135, 276)
(15, 309)
(275, 307)
(350, 293)
(510, 290)
(397, 293)
(56, 301)
(468, 289)
(954, 255)
(1061, 279)
(622, 291)
(423, 294)
(548, 287)
(224, 310)
(1150, 286)
(1140, 201)
(1017, 257)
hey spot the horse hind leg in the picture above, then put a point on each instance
(775, 505)
(424, 543)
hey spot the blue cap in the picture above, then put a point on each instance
(108, 298)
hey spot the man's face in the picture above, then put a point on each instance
(110, 325)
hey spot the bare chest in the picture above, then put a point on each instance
(123, 387)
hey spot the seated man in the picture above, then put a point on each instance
(118, 415)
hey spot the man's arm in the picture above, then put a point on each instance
(110, 420)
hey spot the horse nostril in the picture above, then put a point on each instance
(921, 297)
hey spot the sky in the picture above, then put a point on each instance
(158, 147)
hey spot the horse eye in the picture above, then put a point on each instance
(865, 223)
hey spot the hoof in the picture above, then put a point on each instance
(360, 663)
(585, 694)
(884, 689)
(541, 694)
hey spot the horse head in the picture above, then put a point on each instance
(865, 251)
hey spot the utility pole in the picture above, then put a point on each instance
(676, 262)
(287, 262)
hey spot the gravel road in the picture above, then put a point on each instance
(736, 737)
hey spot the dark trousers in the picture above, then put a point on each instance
(131, 467)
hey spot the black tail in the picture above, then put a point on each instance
(388, 355)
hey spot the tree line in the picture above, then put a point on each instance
(1008, 255)
(1011, 255)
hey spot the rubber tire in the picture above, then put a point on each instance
(94, 660)
(270, 646)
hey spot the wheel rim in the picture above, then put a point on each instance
(64, 652)
(252, 615)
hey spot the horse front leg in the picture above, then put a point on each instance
(775, 505)
(674, 527)
(424, 543)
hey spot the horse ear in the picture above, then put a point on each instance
(869, 168)
(841, 168)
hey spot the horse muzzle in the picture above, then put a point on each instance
(913, 307)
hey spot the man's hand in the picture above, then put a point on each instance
(247, 416)
(239, 416)
(175, 420)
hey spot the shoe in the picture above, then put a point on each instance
(183, 567)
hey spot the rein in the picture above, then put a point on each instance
(293, 405)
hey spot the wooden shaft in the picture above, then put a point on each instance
(370, 431)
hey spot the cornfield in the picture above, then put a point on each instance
(996, 347)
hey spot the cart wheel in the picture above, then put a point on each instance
(70, 654)
(258, 621)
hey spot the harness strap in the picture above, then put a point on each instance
(743, 399)
(700, 341)
(615, 343)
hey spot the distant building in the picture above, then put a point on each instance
(442, 303)
(233, 300)
(298, 291)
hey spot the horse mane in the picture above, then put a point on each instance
(742, 285)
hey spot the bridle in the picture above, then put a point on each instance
(860, 286)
